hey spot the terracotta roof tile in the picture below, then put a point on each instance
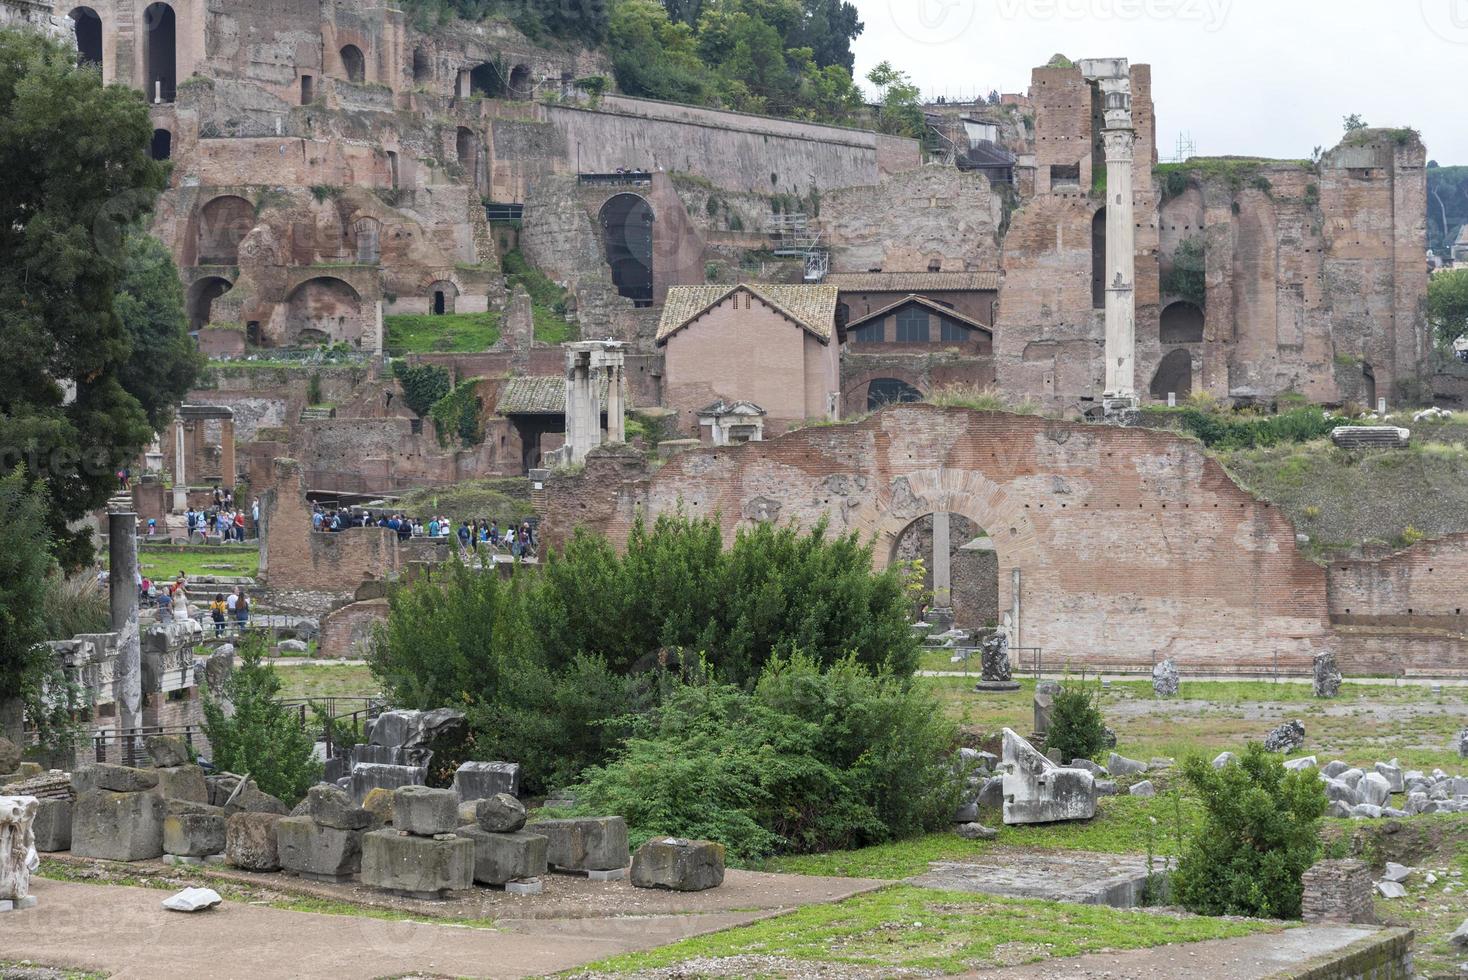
(912, 282)
(541, 395)
(813, 306)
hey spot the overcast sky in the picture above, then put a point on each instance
(1245, 77)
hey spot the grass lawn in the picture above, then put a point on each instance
(1122, 825)
(327, 681)
(165, 563)
(951, 932)
(423, 333)
(1368, 723)
(550, 328)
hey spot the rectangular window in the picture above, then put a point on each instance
(869, 334)
(953, 332)
(912, 326)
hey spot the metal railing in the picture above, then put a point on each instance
(131, 744)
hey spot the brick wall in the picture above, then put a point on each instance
(1131, 544)
(346, 631)
(295, 557)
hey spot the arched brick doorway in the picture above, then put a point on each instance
(627, 226)
(973, 567)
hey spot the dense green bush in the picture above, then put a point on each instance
(548, 667)
(776, 590)
(812, 759)
(458, 413)
(1260, 833)
(423, 385)
(1076, 727)
(261, 737)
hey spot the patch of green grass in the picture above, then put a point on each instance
(424, 333)
(550, 327)
(314, 681)
(27, 968)
(952, 932)
(164, 563)
(503, 500)
(1122, 825)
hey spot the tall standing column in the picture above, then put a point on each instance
(127, 675)
(616, 417)
(180, 470)
(1121, 266)
(942, 611)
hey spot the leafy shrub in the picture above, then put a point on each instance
(262, 737)
(823, 759)
(1259, 835)
(422, 385)
(1187, 278)
(1224, 432)
(547, 666)
(458, 413)
(1076, 726)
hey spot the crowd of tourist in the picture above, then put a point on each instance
(173, 603)
(518, 541)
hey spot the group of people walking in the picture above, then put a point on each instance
(517, 540)
(224, 519)
(171, 599)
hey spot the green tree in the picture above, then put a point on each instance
(25, 560)
(260, 736)
(1260, 833)
(656, 57)
(1447, 304)
(827, 28)
(66, 204)
(163, 361)
(901, 112)
(1353, 122)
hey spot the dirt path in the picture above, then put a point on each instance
(125, 932)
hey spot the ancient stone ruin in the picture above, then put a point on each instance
(18, 859)
(1037, 790)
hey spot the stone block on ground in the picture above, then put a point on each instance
(412, 729)
(424, 811)
(421, 866)
(1286, 737)
(1333, 768)
(503, 858)
(500, 814)
(1165, 679)
(586, 843)
(1338, 891)
(243, 796)
(333, 807)
(991, 794)
(314, 851)
(1391, 889)
(167, 751)
(250, 841)
(52, 825)
(192, 900)
(117, 826)
(117, 779)
(1144, 788)
(194, 830)
(185, 782)
(481, 780)
(1304, 762)
(378, 802)
(1392, 773)
(370, 776)
(1036, 790)
(1396, 872)
(678, 865)
(1120, 765)
(1223, 759)
(1375, 789)
(1044, 705)
(975, 831)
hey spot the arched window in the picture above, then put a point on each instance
(87, 27)
(354, 64)
(1098, 260)
(1174, 376)
(160, 52)
(486, 81)
(223, 224)
(464, 146)
(890, 391)
(202, 295)
(520, 87)
(1181, 323)
(161, 147)
(368, 233)
(627, 227)
(441, 296)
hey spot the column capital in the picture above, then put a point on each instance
(1119, 144)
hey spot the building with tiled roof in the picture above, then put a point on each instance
(773, 345)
